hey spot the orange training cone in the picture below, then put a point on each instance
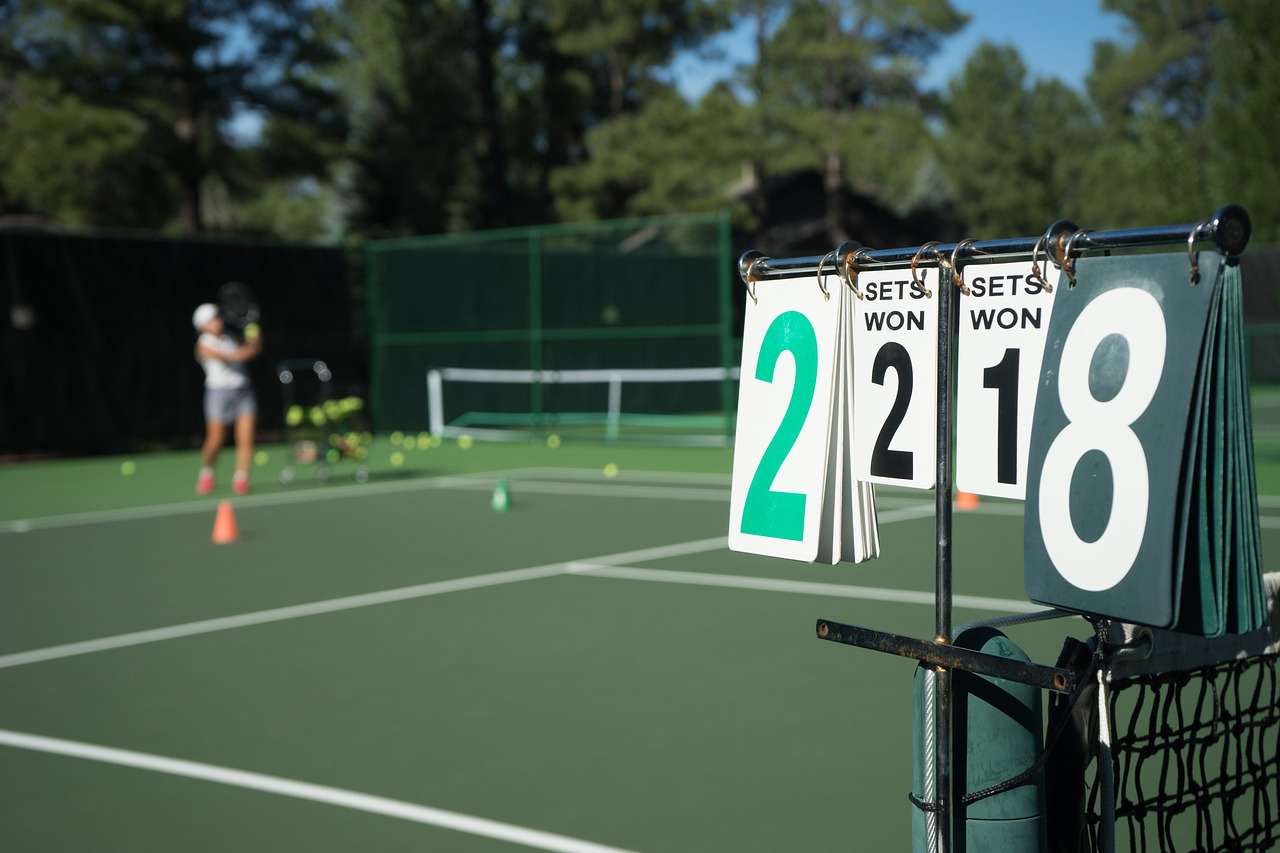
(224, 525)
(966, 500)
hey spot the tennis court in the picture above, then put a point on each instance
(394, 666)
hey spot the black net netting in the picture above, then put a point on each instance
(1196, 760)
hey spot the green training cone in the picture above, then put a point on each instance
(501, 501)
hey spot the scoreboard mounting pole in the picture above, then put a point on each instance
(1228, 229)
(942, 597)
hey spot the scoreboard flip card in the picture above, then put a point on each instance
(1003, 321)
(791, 495)
(1131, 447)
(895, 378)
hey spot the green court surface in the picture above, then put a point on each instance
(394, 666)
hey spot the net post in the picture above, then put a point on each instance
(725, 265)
(435, 403)
(535, 327)
(614, 415)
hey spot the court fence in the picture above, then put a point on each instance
(630, 295)
(97, 340)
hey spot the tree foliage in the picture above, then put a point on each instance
(1011, 148)
(310, 118)
(121, 112)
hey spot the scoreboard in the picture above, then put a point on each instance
(1113, 401)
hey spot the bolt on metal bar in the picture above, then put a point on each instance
(1229, 229)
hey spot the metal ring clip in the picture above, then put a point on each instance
(955, 266)
(1067, 266)
(1035, 264)
(915, 279)
(747, 271)
(1192, 255)
(847, 259)
(822, 285)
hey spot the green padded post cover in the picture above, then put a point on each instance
(997, 732)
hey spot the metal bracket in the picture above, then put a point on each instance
(950, 657)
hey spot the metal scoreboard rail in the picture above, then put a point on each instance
(1228, 230)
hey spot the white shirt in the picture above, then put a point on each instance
(219, 373)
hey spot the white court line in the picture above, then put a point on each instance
(524, 479)
(866, 593)
(306, 791)
(296, 611)
(22, 525)
(334, 605)
(603, 490)
(481, 481)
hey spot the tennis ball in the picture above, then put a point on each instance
(553, 441)
(294, 416)
(424, 440)
(127, 468)
(261, 458)
(397, 437)
(317, 416)
(397, 458)
(465, 441)
(252, 331)
(410, 442)
(610, 470)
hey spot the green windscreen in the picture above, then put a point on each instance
(629, 295)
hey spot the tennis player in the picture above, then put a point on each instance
(228, 395)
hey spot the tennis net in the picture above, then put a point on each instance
(1186, 735)
(672, 405)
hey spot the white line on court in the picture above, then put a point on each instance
(22, 525)
(532, 480)
(866, 593)
(334, 605)
(603, 490)
(306, 791)
(316, 608)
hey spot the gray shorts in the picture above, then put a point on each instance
(224, 405)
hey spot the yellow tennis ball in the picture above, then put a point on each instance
(465, 441)
(397, 458)
(611, 470)
(261, 458)
(294, 416)
(397, 437)
(553, 441)
(317, 416)
(410, 442)
(127, 468)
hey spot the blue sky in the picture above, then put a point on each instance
(1055, 39)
